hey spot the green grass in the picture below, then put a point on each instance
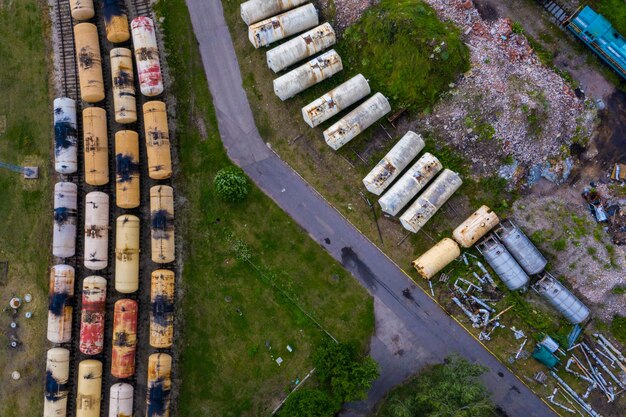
(251, 275)
(618, 328)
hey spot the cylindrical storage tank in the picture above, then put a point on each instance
(336, 100)
(92, 315)
(359, 119)
(60, 302)
(127, 254)
(115, 21)
(162, 308)
(301, 47)
(522, 249)
(56, 390)
(96, 255)
(254, 10)
(123, 86)
(431, 200)
(89, 389)
(504, 265)
(386, 171)
(124, 338)
(562, 299)
(315, 71)
(89, 62)
(157, 140)
(162, 224)
(159, 385)
(436, 258)
(65, 136)
(82, 9)
(147, 56)
(475, 227)
(410, 184)
(283, 25)
(127, 169)
(96, 146)
(121, 400)
(65, 210)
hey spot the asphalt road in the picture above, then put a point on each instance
(436, 335)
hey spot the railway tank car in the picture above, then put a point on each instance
(121, 400)
(95, 146)
(92, 315)
(127, 254)
(65, 136)
(89, 62)
(124, 338)
(57, 376)
(115, 21)
(65, 211)
(82, 9)
(89, 388)
(124, 101)
(127, 169)
(162, 308)
(60, 301)
(162, 224)
(157, 140)
(147, 56)
(159, 385)
(96, 253)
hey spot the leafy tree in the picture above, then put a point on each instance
(231, 184)
(308, 402)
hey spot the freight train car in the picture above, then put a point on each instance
(65, 136)
(96, 146)
(124, 338)
(115, 21)
(96, 255)
(159, 385)
(147, 56)
(123, 86)
(60, 302)
(121, 400)
(89, 389)
(127, 169)
(56, 389)
(162, 308)
(157, 140)
(89, 62)
(92, 315)
(127, 254)
(82, 9)
(162, 223)
(65, 210)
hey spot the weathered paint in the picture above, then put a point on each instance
(431, 200)
(315, 71)
(392, 164)
(359, 119)
(301, 47)
(82, 9)
(89, 389)
(147, 56)
(124, 338)
(124, 101)
(562, 299)
(253, 11)
(410, 184)
(56, 389)
(89, 62)
(65, 136)
(65, 210)
(162, 223)
(115, 20)
(159, 385)
(127, 169)
(157, 140)
(522, 249)
(95, 146)
(503, 264)
(336, 100)
(127, 254)
(60, 302)
(162, 308)
(92, 315)
(436, 258)
(121, 400)
(283, 25)
(96, 253)
(475, 227)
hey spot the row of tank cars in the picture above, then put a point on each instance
(95, 173)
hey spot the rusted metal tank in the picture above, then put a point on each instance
(392, 164)
(89, 62)
(301, 47)
(436, 258)
(96, 146)
(89, 389)
(475, 227)
(121, 400)
(56, 389)
(127, 254)
(410, 184)
(504, 265)
(92, 315)
(315, 71)
(65, 210)
(65, 136)
(82, 9)
(162, 224)
(162, 308)
(254, 10)
(127, 169)
(147, 56)
(561, 299)
(123, 86)
(335, 101)
(283, 25)
(96, 254)
(124, 338)
(359, 119)
(115, 20)
(159, 385)
(157, 140)
(522, 249)
(60, 302)
(431, 200)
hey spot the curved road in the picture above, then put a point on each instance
(435, 334)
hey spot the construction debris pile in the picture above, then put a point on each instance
(607, 207)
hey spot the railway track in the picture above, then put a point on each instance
(559, 11)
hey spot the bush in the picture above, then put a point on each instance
(231, 184)
(308, 402)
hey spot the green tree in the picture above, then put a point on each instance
(308, 402)
(231, 184)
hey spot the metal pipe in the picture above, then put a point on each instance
(606, 369)
(468, 313)
(482, 303)
(576, 397)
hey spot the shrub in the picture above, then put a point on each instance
(308, 402)
(231, 184)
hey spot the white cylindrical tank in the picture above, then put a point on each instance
(436, 258)
(305, 76)
(82, 9)
(123, 85)
(60, 303)
(503, 264)
(65, 207)
(96, 230)
(336, 100)
(357, 121)
(254, 10)
(147, 56)
(65, 136)
(283, 25)
(522, 249)
(301, 47)
(121, 400)
(475, 226)
(57, 389)
(388, 168)
(431, 200)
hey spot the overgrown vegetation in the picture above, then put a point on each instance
(231, 184)
(618, 328)
(614, 11)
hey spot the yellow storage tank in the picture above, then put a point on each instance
(159, 385)
(127, 254)
(162, 224)
(162, 308)
(96, 146)
(157, 140)
(89, 388)
(56, 390)
(60, 302)
(436, 258)
(127, 169)
(89, 62)
(475, 226)
(123, 86)
(82, 9)
(116, 21)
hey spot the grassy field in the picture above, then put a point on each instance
(289, 292)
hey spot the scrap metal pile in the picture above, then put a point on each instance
(607, 209)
